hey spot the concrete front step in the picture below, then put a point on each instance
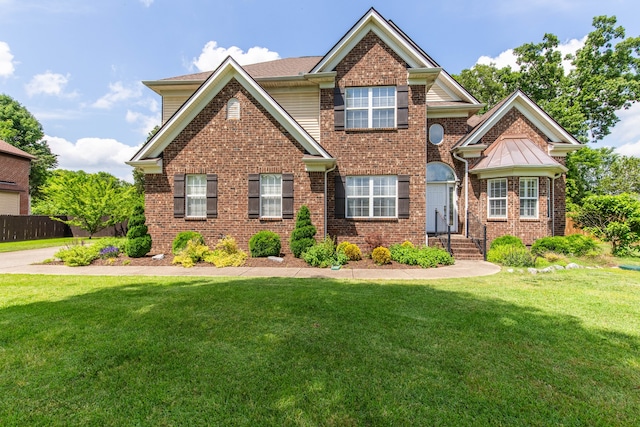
(463, 248)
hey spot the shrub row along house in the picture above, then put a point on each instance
(374, 137)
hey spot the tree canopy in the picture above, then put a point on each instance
(91, 201)
(603, 79)
(19, 128)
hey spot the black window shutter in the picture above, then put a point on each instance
(287, 195)
(178, 196)
(403, 196)
(338, 108)
(254, 195)
(212, 195)
(340, 196)
(403, 107)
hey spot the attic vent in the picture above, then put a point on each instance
(233, 109)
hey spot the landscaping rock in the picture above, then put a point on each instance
(572, 266)
(558, 267)
(275, 258)
(532, 270)
(158, 257)
(547, 270)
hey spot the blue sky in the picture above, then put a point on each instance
(76, 65)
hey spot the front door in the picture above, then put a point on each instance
(441, 197)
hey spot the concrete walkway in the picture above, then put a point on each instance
(22, 262)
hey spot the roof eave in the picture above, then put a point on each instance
(549, 171)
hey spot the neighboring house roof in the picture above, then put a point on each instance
(149, 156)
(7, 148)
(516, 156)
(545, 123)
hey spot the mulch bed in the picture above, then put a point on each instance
(288, 261)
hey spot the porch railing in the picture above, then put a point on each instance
(477, 232)
(445, 234)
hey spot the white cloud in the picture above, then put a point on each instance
(7, 66)
(507, 58)
(49, 83)
(146, 3)
(146, 123)
(93, 155)
(212, 56)
(118, 92)
(625, 136)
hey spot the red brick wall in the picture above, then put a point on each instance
(232, 149)
(15, 169)
(514, 123)
(377, 152)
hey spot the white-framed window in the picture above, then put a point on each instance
(233, 109)
(270, 196)
(196, 196)
(497, 195)
(372, 196)
(528, 197)
(436, 134)
(370, 107)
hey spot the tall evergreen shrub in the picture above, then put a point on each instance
(302, 237)
(138, 238)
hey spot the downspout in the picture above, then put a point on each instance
(553, 203)
(326, 216)
(466, 193)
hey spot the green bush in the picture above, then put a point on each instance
(302, 236)
(181, 240)
(575, 244)
(138, 238)
(511, 256)
(506, 240)
(352, 251)
(78, 255)
(381, 255)
(226, 254)
(192, 253)
(264, 243)
(324, 254)
(426, 257)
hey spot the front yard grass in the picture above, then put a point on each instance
(39, 244)
(509, 349)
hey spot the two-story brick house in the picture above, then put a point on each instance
(374, 137)
(15, 165)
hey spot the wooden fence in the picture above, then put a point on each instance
(31, 227)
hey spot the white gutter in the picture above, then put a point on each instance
(326, 216)
(466, 193)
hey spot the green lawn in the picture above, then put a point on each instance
(510, 349)
(38, 244)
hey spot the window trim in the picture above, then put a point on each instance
(431, 139)
(535, 198)
(188, 196)
(370, 108)
(233, 109)
(371, 197)
(491, 198)
(263, 196)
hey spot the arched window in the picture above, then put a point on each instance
(439, 172)
(233, 109)
(436, 134)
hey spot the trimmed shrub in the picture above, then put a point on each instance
(574, 244)
(226, 254)
(184, 237)
(302, 236)
(193, 252)
(138, 237)
(342, 245)
(381, 255)
(506, 240)
(426, 257)
(351, 250)
(78, 255)
(511, 256)
(264, 243)
(324, 254)
(374, 240)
